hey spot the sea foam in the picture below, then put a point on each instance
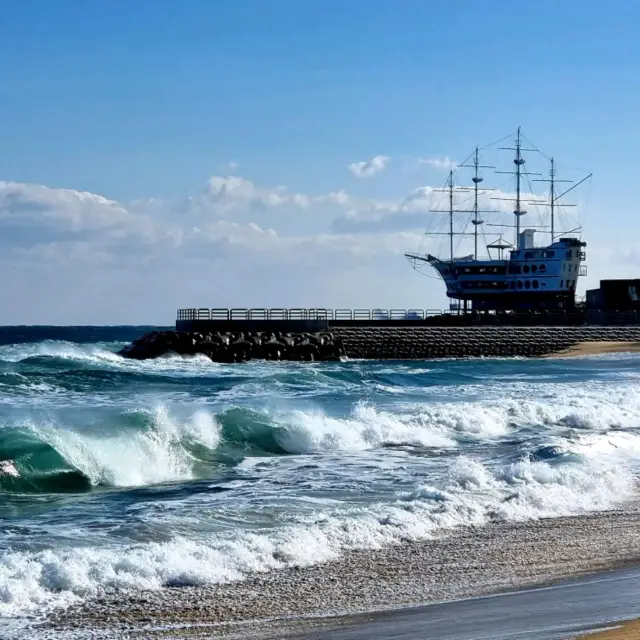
(410, 466)
(470, 494)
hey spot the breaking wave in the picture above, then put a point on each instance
(150, 446)
(179, 471)
(470, 494)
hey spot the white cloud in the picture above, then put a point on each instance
(442, 164)
(75, 209)
(232, 165)
(226, 194)
(368, 168)
(77, 257)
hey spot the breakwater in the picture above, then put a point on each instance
(238, 346)
(414, 342)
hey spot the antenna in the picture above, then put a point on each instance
(476, 181)
(519, 161)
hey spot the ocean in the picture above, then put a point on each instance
(120, 475)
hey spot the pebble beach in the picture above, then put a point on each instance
(295, 601)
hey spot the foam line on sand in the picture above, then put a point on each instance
(468, 562)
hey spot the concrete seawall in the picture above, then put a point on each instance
(410, 343)
(417, 342)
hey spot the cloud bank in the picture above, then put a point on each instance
(73, 257)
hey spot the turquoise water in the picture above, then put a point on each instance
(120, 474)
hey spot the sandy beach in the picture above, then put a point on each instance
(598, 348)
(628, 631)
(467, 562)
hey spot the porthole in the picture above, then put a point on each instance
(519, 284)
(543, 268)
(534, 268)
(525, 269)
(527, 284)
(535, 284)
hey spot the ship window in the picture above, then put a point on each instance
(519, 284)
(535, 284)
(534, 268)
(512, 285)
(514, 268)
(569, 254)
(561, 283)
(525, 268)
(548, 254)
(527, 284)
(543, 268)
(529, 255)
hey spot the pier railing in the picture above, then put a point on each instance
(309, 314)
(430, 316)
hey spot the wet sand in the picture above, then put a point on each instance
(598, 348)
(305, 600)
(564, 611)
(628, 631)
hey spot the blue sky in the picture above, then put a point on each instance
(139, 100)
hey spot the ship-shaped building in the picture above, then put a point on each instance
(539, 270)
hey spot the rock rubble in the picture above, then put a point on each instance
(238, 346)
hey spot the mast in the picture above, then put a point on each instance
(451, 189)
(553, 198)
(552, 192)
(450, 185)
(477, 179)
(519, 161)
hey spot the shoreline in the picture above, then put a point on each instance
(629, 630)
(467, 563)
(596, 349)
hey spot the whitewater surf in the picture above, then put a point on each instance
(118, 476)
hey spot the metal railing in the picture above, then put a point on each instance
(310, 314)
(577, 316)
